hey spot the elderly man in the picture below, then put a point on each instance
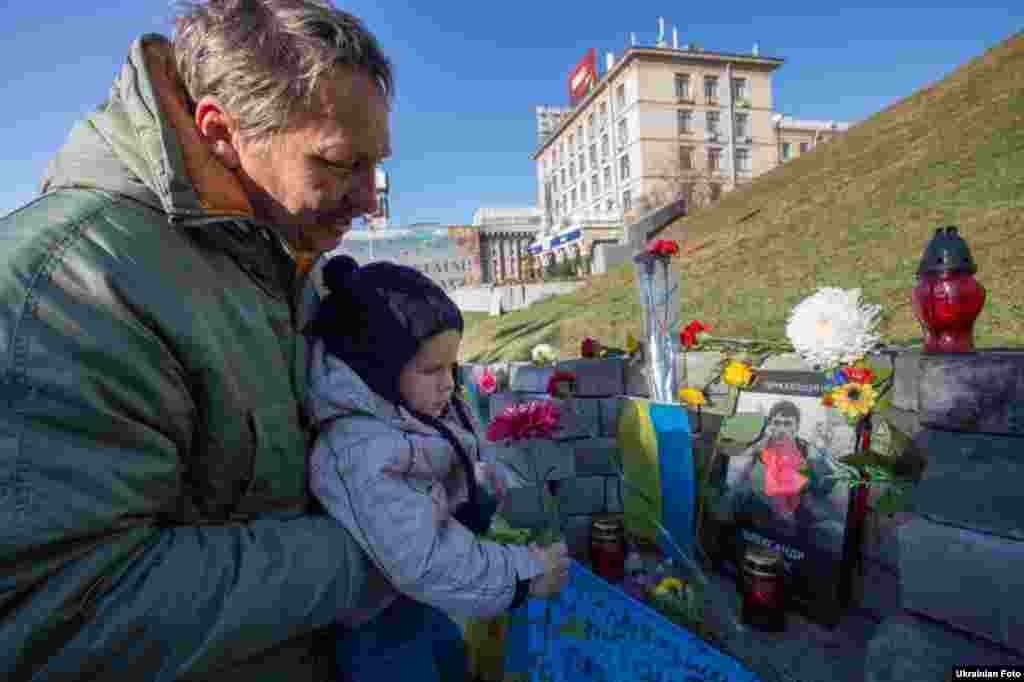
(154, 514)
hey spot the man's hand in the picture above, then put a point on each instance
(556, 571)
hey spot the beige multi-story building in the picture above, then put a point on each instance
(663, 123)
(795, 137)
(657, 117)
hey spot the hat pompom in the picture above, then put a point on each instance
(337, 272)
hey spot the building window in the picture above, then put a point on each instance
(604, 146)
(572, 171)
(712, 121)
(686, 158)
(682, 86)
(581, 137)
(714, 159)
(711, 88)
(593, 154)
(743, 160)
(742, 125)
(620, 96)
(739, 89)
(785, 151)
(716, 191)
(803, 147)
(554, 182)
(583, 191)
(561, 149)
(607, 176)
(595, 185)
(558, 206)
(684, 118)
(563, 178)
(602, 112)
(624, 167)
(623, 133)
(610, 205)
(583, 163)
(572, 201)
(572, 143)
(627, 200)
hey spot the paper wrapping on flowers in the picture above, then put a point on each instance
(659, 287)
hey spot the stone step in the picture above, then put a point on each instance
(972, 581)
(972, 480)
(906, 647)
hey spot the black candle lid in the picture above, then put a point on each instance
(947, 252)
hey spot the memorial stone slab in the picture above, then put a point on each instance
(577, 536)
(529, 378)
(613, 494)
(786, 361)
(597, 378)
(700, 366)
(636, 379)
(550, 458)
(906, 647)
(595, 456)
(975, 392)
(608, 425)
(906, 377)
(972, 480)
(970, 580)
(523, 509)
(583, 495)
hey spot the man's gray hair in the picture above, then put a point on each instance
(263, 59)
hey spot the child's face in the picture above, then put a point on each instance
(426, 381)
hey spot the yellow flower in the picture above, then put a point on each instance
(669, 586)
(854, 400)
(632, 345)
(738, 374)
(693, 397)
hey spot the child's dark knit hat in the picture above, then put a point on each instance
(375, 318)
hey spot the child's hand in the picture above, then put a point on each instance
(556, 571)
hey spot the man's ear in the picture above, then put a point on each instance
(218, 130)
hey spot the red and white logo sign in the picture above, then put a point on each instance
(583, 77)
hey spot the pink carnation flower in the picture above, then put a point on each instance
(535, 419)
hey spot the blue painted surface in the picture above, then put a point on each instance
(678, 488)
(598, 633)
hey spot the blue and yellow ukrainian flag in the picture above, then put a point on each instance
(657, 458)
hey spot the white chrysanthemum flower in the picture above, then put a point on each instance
(543, 354)
(833, 327)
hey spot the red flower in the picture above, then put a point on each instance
(588, 349)
(488, 383)
(688, 337)
(859, 375)
(557, 379)
(827, 400)
(663, 247)
(535, 419)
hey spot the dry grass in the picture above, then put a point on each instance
(856, 212)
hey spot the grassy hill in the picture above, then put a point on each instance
(856, 212)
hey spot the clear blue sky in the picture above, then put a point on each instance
(470, 73)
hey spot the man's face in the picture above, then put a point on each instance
(783, 426)
(310, 180)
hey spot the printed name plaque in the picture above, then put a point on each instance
(597, 632)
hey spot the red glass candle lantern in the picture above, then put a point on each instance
(947, 298)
